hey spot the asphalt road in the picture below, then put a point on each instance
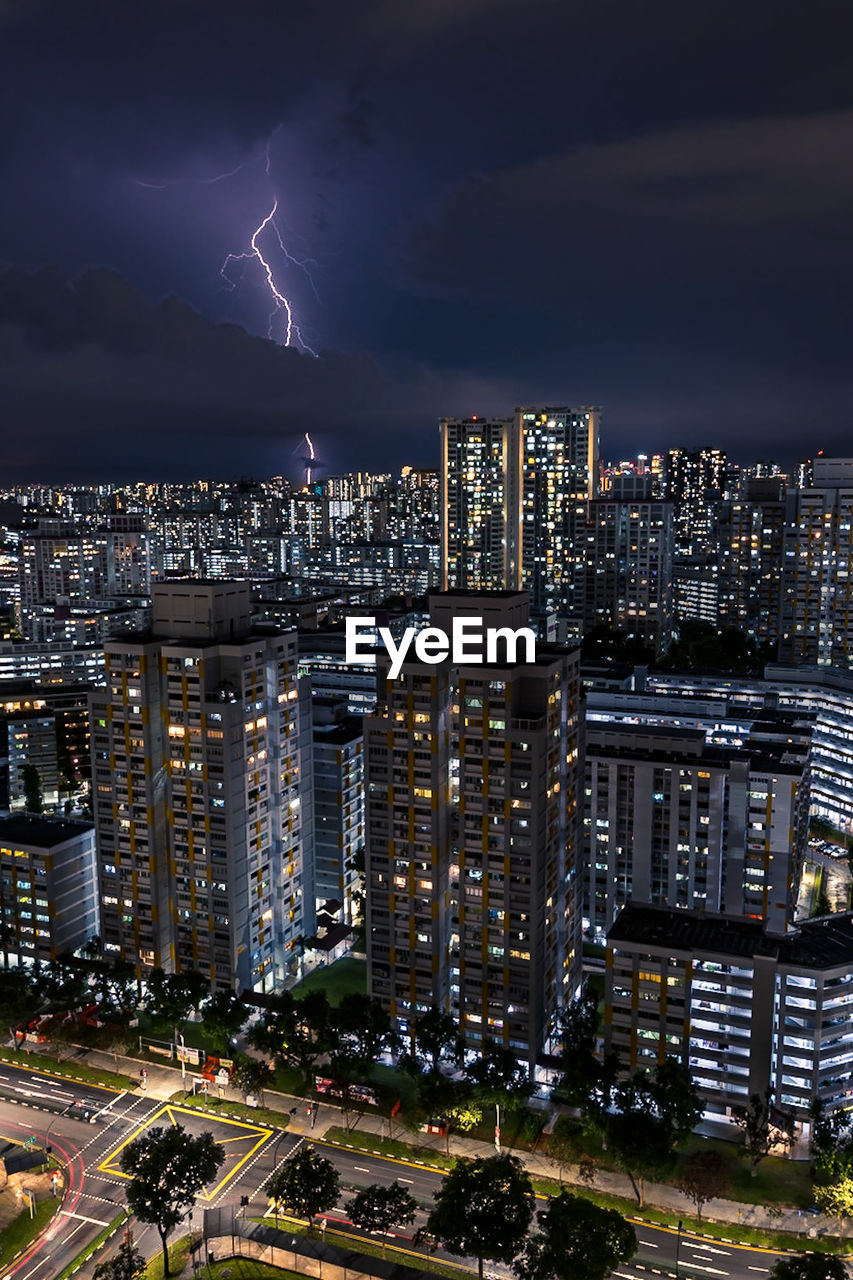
(33, 1102)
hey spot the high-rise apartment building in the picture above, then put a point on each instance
(480, 503)
(746, 1010)
(675, 821)
(752, 540)
(559, 474)
(695, 480)
(201, 748)
(817, 605)
(48, 887)
(338, 803)
(472, 835)
(629, 568)
(514, 503)
(60, 565)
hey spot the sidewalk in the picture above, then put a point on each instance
(163, 1081)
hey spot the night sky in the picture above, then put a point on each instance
(644, 205)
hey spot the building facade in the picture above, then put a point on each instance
(201, 792)
(672, 820)
(472, 836)
(49, 903)
(746, 1010)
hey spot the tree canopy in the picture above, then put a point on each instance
(810, 1266)
(167, 1168)
(305, 1185)
(576, 1240)
(483, 1209)
(497, 1077)
(381, 1208)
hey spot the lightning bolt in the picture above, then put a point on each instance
(282, 305)
(312, 455)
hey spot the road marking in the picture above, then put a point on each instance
(360, 1168)
(98, 1221)
(411, 1181)
(260, 1133)
(763, 1270)
(714, 1271)
(710, 1248)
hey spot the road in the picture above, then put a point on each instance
(36, 1103)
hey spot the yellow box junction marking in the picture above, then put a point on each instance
(171, 1111)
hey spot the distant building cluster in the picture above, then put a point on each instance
(193, 768)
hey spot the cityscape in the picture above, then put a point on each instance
(426, 642)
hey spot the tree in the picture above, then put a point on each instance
(809, 1266)
(18, 1001)
(224, 1014)
(173, 996)
(435, 1041)
(583, 1078)
(253, 1075)
(675, 1098)
(33, 797)
(831, 1145)
(483, 1209)
(126, 1264)
(497, 1077)
(836, 1198)
(754, 1122)
(62, 985)
(381, 1208)
(821, 906)
(305, 1185)
(576, 1241)
(564, 1143)
(655, 1113)
(704, 1177)
(640, 1143)
(167, 1169)
(361, 1026)
(294, 1032)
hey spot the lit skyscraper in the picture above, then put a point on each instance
(515, 494)
(201, 747)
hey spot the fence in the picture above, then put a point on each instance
(225, 1235)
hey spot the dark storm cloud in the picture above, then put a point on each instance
(95, 380)
(643, 204)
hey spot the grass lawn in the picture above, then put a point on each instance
(394, 1085)
(179, 1258)
(236, 1110)
(73, 1069)
(289, 1080)
(388, 1147)
(777, 1181)
(345, 977)
(21, 1230)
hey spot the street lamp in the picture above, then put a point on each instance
(677, 1248)
(58, 1116)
